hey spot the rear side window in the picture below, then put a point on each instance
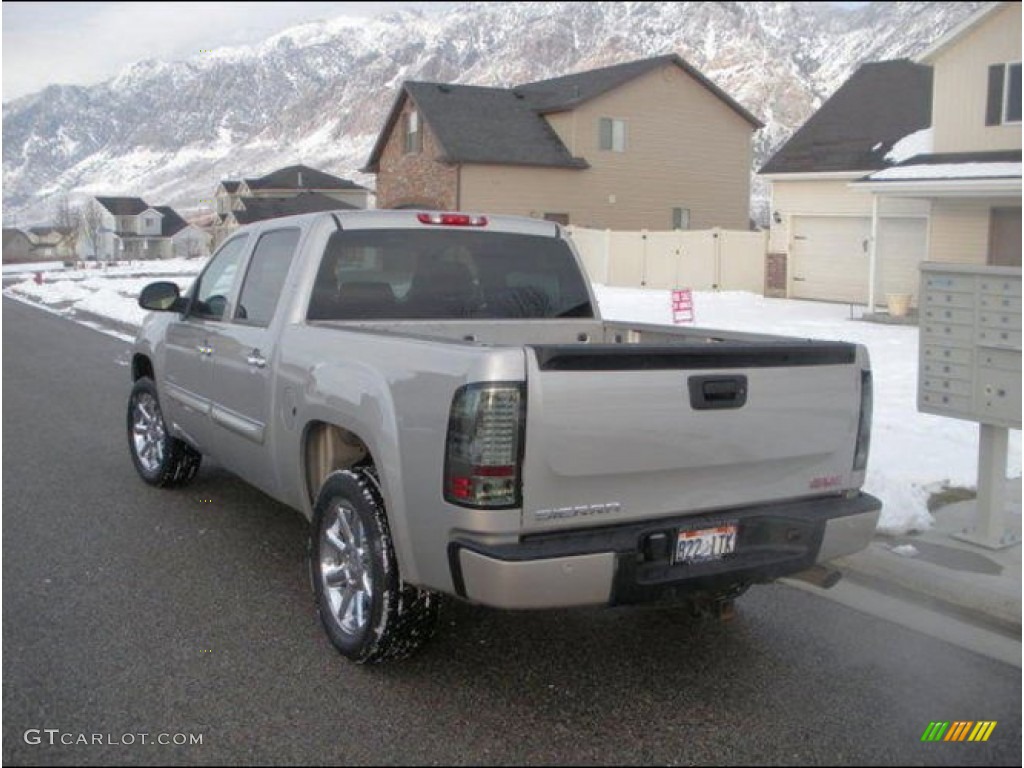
(446, 274)
(265, 277)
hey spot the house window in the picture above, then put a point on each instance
(680, 218)
(612, 134)
(1004, 84)
(558, 218)
(413, 136)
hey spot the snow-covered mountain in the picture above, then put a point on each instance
(318, 93)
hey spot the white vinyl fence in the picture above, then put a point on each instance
(712, 259)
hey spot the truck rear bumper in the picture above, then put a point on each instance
(633, 563)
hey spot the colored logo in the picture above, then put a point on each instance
(958, 730)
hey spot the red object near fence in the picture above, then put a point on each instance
(682, 306)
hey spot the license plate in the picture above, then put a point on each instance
(706, 543)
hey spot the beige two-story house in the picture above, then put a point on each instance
(266, 196)
(908, 161)
(971, 173)
(650, 144)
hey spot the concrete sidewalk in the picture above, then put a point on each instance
(980, 585)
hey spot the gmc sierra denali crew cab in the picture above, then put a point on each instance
(438, 395)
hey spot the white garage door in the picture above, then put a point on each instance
(829, 257)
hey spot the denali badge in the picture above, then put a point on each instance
(582, 511)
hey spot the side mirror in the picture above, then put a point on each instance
(162, 297)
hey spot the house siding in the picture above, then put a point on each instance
(415, 178)
(960, 85)
(960, 229)
(684, 148)
(832, 197)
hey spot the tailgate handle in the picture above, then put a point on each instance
(711, 392)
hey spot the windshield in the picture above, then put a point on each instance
(446, 274)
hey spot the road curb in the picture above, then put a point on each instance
(988, 600)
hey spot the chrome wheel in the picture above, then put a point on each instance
(345, 574)
(148, 435)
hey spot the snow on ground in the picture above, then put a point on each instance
(32, 266)
(912, 453)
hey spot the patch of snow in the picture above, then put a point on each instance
(913, 144)
(33, 266)
(949, 171)
(905, 550)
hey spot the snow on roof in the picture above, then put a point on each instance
(949, 171)
(916, 143)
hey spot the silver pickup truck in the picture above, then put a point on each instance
(438, 394)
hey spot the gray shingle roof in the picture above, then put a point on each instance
(569, 91)
(853, 131)
(953, 158)
(489, 125)
(230, 186)
(300, 177)
(171, 223)
(261, 208)
(123, 206)
(506, 126)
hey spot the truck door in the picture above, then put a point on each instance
(189, 371)
(242, 392)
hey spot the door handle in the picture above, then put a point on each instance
(256, 360)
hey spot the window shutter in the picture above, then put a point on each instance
(994, 106)
(605, 133)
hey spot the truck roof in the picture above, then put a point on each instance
(411, 219)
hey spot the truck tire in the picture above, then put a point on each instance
(159, 458)
(368, 612)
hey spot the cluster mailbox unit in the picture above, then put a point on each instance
(970, 368)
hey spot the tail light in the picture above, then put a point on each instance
(452, 219)
(483, 456)
(860, 456)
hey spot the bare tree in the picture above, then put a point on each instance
(91, 225)
(66, 220)
(193, 248)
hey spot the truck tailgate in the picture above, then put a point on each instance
(617, 433)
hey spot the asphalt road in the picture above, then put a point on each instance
(130, 610)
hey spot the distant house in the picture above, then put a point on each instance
(133, 229)
(253, 209)
(43, 243)
(17, 246)
(907, 161)
(646, 144)
(293, 181)
(227, 196)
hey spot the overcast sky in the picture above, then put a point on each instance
(85, 43)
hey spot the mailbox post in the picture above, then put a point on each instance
(970, 368)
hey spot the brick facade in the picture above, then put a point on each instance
(775, 276)
(415, 179)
